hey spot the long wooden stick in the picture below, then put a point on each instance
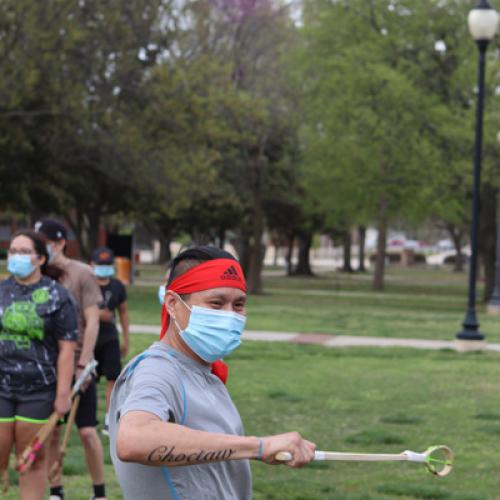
(28, 456)
(58, 463)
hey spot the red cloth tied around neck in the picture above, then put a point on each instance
(215, 273)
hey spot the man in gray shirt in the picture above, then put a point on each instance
(174, 431)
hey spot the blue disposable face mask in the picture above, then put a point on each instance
(104, 271)
(211, 333)
(20, 265)
(51, 253)
(161, 294)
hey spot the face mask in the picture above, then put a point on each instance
(52, 254)
(212, 334)
(104, 271)
(20, 265)
(161, 294)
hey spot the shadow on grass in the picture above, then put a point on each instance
(374, 436)
(281, 395)
(401, 419)
(425, 491)
(280, 489)
(494, 431)
(487, 416)
(417, 491)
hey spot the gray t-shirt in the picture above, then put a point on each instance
(177, 389)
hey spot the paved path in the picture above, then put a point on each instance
(335, 340)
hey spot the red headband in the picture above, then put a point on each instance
(215, 273)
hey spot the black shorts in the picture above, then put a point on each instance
(33, 408)
(107, 354)
(86, 415)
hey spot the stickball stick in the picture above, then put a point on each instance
(29, 454)
(58, 463)
(437, 459)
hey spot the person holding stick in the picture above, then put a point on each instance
(80, 281)
(38, 333)
(174, 430)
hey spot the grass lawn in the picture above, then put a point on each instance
(355, 399)
(371, 400)
(417, 303)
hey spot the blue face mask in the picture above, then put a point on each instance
(51, 253)
(212, 334)
(161, 294)
(104, 271)
(20, 265)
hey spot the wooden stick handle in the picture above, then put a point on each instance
(28, 455)
(69, 423)
(286, 456)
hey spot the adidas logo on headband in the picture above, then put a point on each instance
(230, 274)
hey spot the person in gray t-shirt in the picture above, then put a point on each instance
(174, 431)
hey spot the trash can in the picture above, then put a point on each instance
(123, 269)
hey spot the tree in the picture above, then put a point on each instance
(83, 70)
(389, 94)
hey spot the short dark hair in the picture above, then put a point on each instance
(40, 246)
(192, 257)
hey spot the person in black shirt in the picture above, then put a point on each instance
(38, 333)
(107, 349)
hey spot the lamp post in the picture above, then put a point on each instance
(494, 303)
(482, 22)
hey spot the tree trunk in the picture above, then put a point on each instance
(257, 249)
(85, 224)
(276, 254)
(289, 254)
(304, 265)
(242, 246)
(347, 244)
(165, 253)
(487, 237)
(362, 243)
(222, 237)
(200, 237)
(94, 226)
(76, 224)
(456, 236)
(378, 277)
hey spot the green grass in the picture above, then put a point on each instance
(417, 303)
(355, 399)
(366, 400)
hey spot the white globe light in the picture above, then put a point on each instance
(483, 23)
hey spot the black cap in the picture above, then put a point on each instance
(51, 229)
(103, 255)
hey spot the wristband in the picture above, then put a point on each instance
(261, 449)
(80, 366)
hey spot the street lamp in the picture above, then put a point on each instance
(494, 303)
(482, 22)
